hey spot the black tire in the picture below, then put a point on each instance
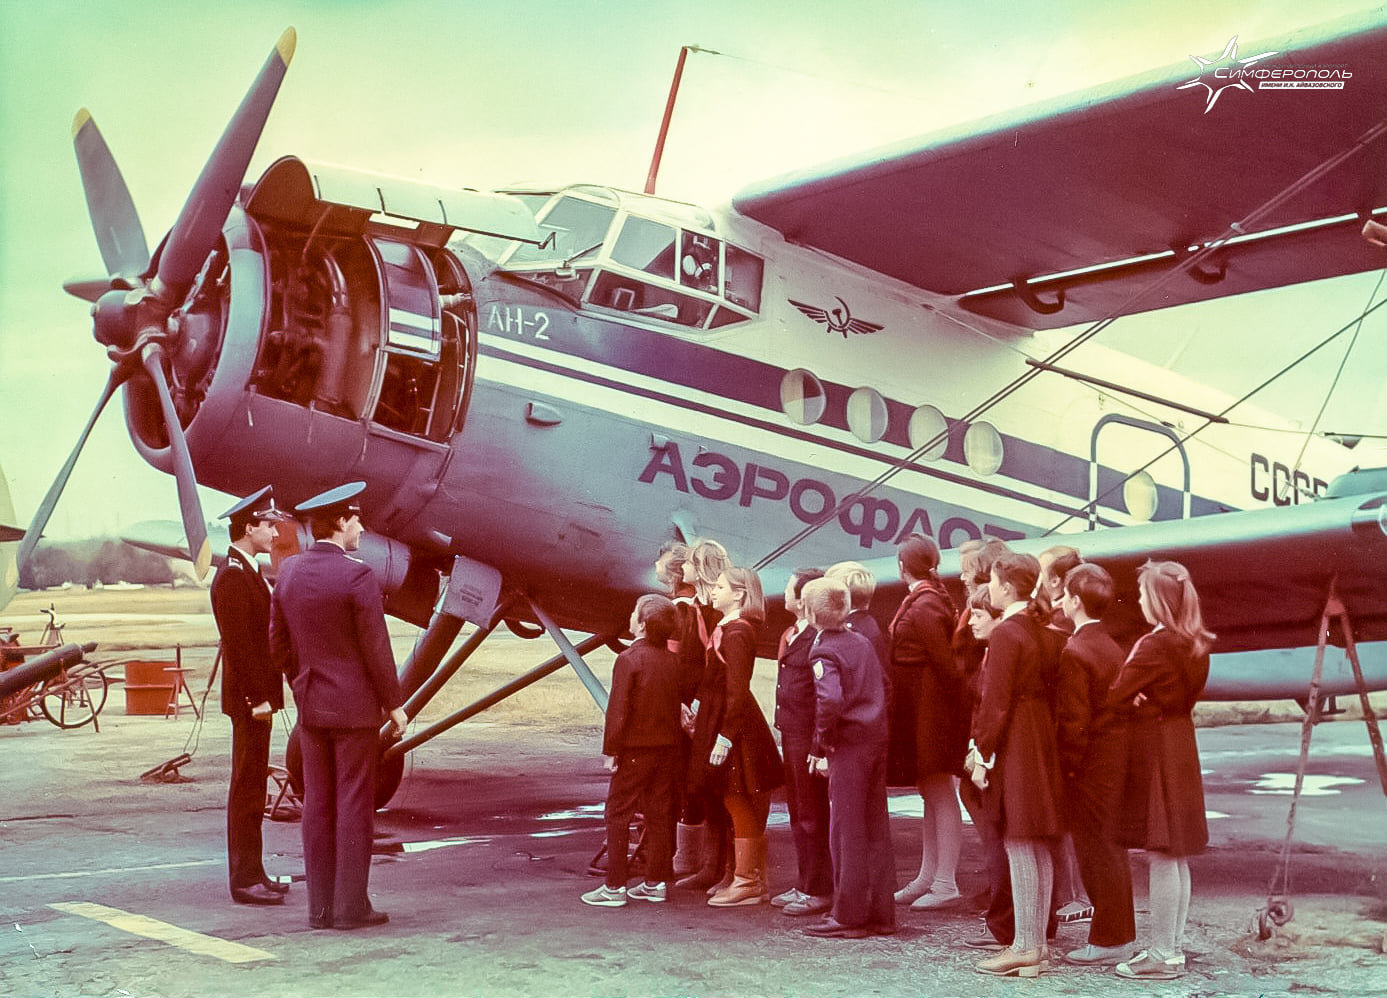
(70, 701)
(388, 773)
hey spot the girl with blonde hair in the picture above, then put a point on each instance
(1162, 805)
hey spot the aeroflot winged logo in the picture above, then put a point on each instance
(1226, 71)
(838, 320)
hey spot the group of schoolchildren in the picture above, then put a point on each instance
(1071, 749)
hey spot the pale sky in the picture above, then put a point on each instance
(488, 92)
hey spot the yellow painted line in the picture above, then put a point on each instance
(152, 928)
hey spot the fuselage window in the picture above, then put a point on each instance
(867, 415)
(926, 424)
(982, 447)
(1140, 496)
(802, 397)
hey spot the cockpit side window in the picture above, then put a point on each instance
(743, 279)
(647, 246)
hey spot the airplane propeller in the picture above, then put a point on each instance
(139, 315)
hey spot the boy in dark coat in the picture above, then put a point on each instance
(1092, 743)
(850, 737)
(640, 743)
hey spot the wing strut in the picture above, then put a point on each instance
(1278, 909)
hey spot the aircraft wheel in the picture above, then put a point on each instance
(389, 773)
(523, 630)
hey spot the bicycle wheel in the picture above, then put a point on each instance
(72, 700)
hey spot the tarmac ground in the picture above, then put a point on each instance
(482, 854)
(114, 886)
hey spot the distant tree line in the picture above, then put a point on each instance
(87, 562)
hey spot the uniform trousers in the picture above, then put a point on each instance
(806, 796)
(644, 781)
(1102, 862)
(339, 807)
(859, 836)
(245, 801)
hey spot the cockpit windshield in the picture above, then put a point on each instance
(605, 252)
(576, 225)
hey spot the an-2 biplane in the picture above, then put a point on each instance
(541, 387)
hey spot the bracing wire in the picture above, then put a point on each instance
(1235, 229)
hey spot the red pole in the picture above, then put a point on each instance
(664, 124)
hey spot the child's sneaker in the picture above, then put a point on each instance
(605, 897)
(647, 892)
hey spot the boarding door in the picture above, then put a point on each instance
(1139, 468)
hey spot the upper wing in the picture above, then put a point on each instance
(1120, 183)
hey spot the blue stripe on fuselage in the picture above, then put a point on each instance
(703, 368)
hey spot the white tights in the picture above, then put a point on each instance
(1170, 904)
(1032, 876)
(941, 834)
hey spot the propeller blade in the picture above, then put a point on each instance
(199, 224)
(87, 288)
(194, 524)
(114, 218)
(45, 510)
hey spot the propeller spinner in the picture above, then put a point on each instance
(141, 312)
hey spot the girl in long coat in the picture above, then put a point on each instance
(1162, 808)
(734, 738)
(1014, 757)
(928, 720)
(704, 835)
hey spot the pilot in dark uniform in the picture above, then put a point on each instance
(327, 633)
(252, 690)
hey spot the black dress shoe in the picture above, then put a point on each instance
(255, 894)
(275, 886)
(372, 917)
(320, 921)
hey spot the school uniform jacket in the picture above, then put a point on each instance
(1088, 665)
(753, 764)
(241, 606)
(690, 643)
(850, 688)
(929, 717)
(794, 684)
(1013, 725)
(643, 708)
(327, 634)
(1163, 800)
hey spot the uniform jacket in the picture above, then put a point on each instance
(1088, 665)
(930, 708)
(241, 606)
(753, 763)
(866, 625)
(850, 688)
(327, 634)
(1162, 805)
(1014, 725)
(794, 683)
(690, 643)
(643, 709)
